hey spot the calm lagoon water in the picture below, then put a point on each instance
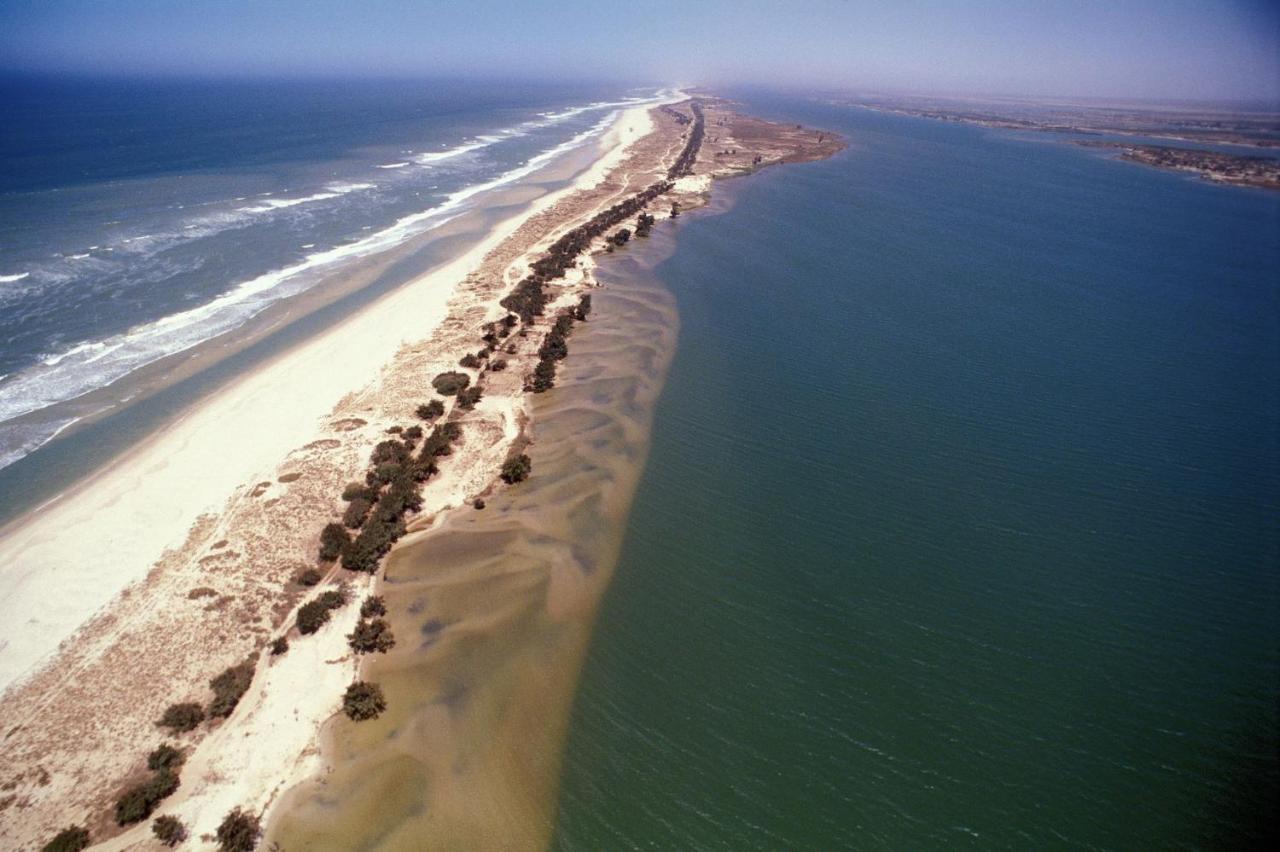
(959, 526)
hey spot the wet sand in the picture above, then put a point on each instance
(493, 611)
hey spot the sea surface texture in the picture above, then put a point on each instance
(138, 219)
(959, 526)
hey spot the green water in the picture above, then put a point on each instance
(959, 527)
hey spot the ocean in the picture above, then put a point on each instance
(959, 526)
(139, 219)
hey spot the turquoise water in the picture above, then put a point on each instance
(959, 526)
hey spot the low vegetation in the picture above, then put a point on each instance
(373, 605)
(448, 384)
(182, 717)
(516, 469)
(279, 646)
(333, 538)
(165, 756)
(228, 688)
(169, 830)
(70, 839)
(430, 410)
(370, 636)
(363, 700)
(138, 802)
(238, 832)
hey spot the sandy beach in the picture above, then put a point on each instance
(177, 561)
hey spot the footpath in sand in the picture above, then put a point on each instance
(250, 477)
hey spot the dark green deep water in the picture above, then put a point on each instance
(959, 526)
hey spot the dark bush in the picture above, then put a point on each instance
(314, 615)
(138, 803)
(511, 350)
(498, 366)
(448, 384)
(430, 410)
(363, 701)
(470, 361)
(71, 839)
(388, 451)
(238, 832)
(516, 469)
(583, 308)
(333, 599)
(413, 433)
(621, 237)
(386, 472)
(355, 514)
(359, 490)
(468, 398)
(394, 430)
(182, 717)
(279, 646)
(165, 756)
(644, 224)
(228, 688)
(479, 503)
(370, 636)
(312, 576)
(373, 605)
(169, 830)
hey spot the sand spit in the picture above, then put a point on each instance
(186, 548)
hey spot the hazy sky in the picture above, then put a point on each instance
(1113, 48)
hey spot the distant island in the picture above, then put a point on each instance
(1258, 129)
(1211, 165)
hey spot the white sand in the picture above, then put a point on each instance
(269, 741)
(72, 558)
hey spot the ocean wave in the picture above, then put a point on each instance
(8, 279)
(89, 365)
(393, 165)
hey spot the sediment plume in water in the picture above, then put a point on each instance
(493, 609)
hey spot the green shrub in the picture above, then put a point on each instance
(358, 489)
(165, 756)
(279, 646)
(138, 803)
(413, 433)
(430, 410)
(229, 687)
(357, 511)
(169, 830)
(371, 636)
(182, 717)
(312, 616)
(499, 365)
(468, 398)
(373, 605)
(470, 361)
(333, 599)
(312, 576)
(516, 469)
(363, 701)
(448, 384)
(71, 839)
(238, 832)
(333, 539)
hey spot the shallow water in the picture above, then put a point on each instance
(960, 524)
(493, 611)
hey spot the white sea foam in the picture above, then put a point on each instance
(7, 279)
(393, 165)
(93, 364)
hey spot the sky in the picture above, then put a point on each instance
(1183, 49)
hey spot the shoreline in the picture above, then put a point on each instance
(290, 498)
